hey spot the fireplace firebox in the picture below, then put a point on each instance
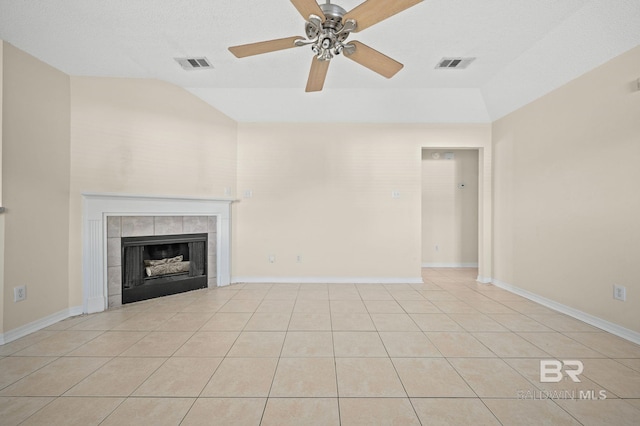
(156, 266)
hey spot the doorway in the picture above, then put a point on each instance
(450, 207)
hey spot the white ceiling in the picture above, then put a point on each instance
(524, 49)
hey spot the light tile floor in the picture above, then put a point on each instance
(449, 351)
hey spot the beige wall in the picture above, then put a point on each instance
(566, 203)
(35, 181)
(1, 115)
(324, 192)
(1, 215)
(143, 137)
(449, 213)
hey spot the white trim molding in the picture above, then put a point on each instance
(450, 265)
(39, 324)
(97, 207)
(625, 333)
(328, 280)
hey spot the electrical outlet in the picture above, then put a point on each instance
(19, 293)
(298, 259)
(272, 258)
(620, 292)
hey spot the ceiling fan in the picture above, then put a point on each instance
(327, 28)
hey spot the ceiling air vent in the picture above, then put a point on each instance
(454, 63)
(194, 63)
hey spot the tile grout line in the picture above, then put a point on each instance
(275, 371)
(335, 363)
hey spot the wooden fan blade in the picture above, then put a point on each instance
(307, 8)
(374, 60)
(317, 75)
(264, 47)
(373, 11)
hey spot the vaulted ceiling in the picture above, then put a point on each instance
(523, 49)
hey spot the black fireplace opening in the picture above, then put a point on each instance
(156, 266)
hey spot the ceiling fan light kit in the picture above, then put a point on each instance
(327, 28)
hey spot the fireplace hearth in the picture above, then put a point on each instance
(155, 266)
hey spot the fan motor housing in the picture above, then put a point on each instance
(333, 14)
(333, 22)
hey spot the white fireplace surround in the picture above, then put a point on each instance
(96, 209)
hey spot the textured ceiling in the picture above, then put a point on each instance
(524, 49)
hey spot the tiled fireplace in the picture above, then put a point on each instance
(119, 227)
(108, 218)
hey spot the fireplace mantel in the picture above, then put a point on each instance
(97, 207)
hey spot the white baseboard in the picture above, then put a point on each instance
(36, 325)
(484, 280)
(618, 330)
(328, 280)
(450, 265)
